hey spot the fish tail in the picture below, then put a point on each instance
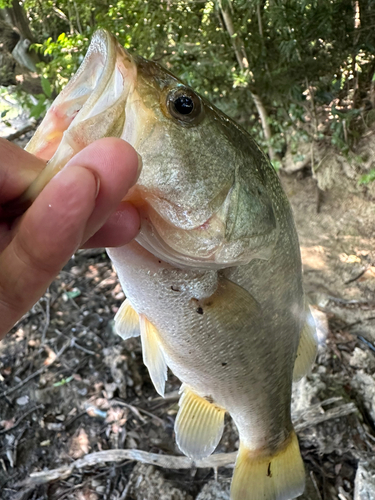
(279, 476)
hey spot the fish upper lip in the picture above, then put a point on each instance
(100, 87)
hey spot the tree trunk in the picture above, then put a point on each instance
(16, 16)
(16, 60)
(243, 62)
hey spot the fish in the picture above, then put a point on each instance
(213, 281)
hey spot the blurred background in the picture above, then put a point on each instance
(292, 72)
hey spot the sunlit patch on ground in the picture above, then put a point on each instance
(314, 257)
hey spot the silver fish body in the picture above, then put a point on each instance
(213, 281)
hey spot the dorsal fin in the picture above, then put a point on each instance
(127, 321)
(153, 356)
(199, 425)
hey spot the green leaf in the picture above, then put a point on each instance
(46, 86)
(40, 108)
(367, 178)
(74, 293)
(63, 381)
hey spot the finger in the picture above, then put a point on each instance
(18, 169)
(69, 208)
(116, 165)
(120, 228)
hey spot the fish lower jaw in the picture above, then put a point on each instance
(204, 254)
(220, 257)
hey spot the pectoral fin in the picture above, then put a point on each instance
(199, 425)
(127, 321)
(153, 356)
(307, 348)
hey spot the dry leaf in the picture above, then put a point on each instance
(80, 444)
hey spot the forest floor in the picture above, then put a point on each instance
(70, 387)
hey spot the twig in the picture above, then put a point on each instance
(132, 408)
(73, 343)
(35, 374)
(367, 342)
(352, 302)
(81, 348)
(73, 419)
(315, 485)
(124, 494)
(172, 397)
(137, 412)
(38, 407)
(359, 275)
(47, 316)
(16, 442)
(77, 18)
(22, 131)
(340, 411)
(23, 382)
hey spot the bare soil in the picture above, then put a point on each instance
(69, 386)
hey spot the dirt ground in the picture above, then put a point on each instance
(70, 387)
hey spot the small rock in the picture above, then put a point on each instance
(148, 483)
(22, 401)
(215, 490)
(364, 384)
(305, 391)
(364, 485)
(362, 359)
(55, 426)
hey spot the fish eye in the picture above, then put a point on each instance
(185, 106)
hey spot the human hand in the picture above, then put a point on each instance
(80, 207)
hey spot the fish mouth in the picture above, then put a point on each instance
(90, 107)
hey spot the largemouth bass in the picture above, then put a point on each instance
(213, 281)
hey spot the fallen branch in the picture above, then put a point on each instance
(169, 461)
(101, 457)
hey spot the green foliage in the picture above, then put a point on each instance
(367, 178)
(63, 58)
(300, 55)
(343, 128)
(63, 381)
